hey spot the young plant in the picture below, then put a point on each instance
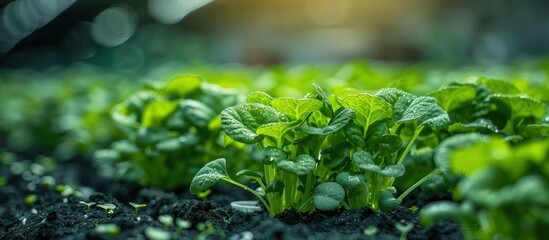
(504, 191)
(108, 207)
(171, 130)
(137, 206)
(87, 204)
(323, 152)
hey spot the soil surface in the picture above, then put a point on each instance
(59, 215)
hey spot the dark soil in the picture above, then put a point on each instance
(53, 216)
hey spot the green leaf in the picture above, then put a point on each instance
(183, 85)
(155, 113)
(338, 154)
(365, 161)
(338, 122)
(208, 175)
(536, 130)
(368, 108)
(499, 86)
(198, 113)
(241, 122)
(350, 181)
(250, 173)
(446, 210)
(388, 144)
(328, 109)
(519, 106)
(453, 97)
(354, 133)
(302, 165)
(481, 125)
(259, 97)
(400, 100)
(387, 201)
(468, 160)
(276, 130)
(447, 147)
(296, 109)
(328, 196)
(275, 186)
(427, 113)
(273, 154)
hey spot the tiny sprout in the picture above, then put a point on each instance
(89, 205)
(107, 229)
(137, 206)
(109, 208)
(203, 195)
(182, 224)
(413, 208)
(404, 229)
(370, 231)
(157, 233)
(166, 220)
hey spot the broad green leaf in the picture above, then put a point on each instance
(499, 86)
(447, 147)
(183, 85)
(480, 125)
(400, 100)
(328, 196)
(426, 111)
(302, 165)
(453, 97)
(350, 181)
(156, 112)
(276, 130)
(365, 161)
(241, 122)
(520, 106)
(250, 173)
(338, 122)
(274, 186)
(354, 133)
(368, 108)
(259, 97)
(198, 113)
(208, 175)
(338, 154)
(274, 154)
(387, 201)
(388, 144)
(296, 109)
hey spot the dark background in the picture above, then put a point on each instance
(296, 31)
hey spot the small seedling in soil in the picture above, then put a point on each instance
(370, 231)
(166, 220)
(404, 229)
(109, 208)
(88, 204)
(157, 233)
(137, 206)
(107, 229)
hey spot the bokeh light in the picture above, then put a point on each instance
(172, 11)
(114, 26)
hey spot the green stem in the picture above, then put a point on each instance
(433, 173)
(253, 192)
(410, 143)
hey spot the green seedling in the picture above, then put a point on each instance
(137, 206)
(108, 207)
(404, 229)
(88, 204)
(182, 225)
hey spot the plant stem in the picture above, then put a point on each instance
(253, 192)
(409, 146)
(433, 173)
